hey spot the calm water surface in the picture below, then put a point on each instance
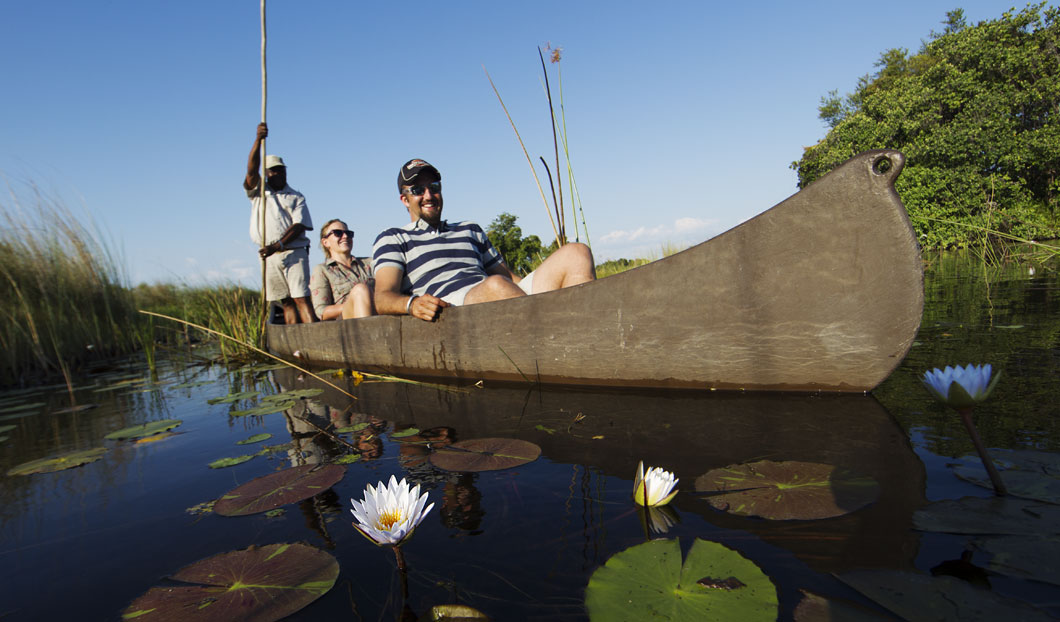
(521, 543)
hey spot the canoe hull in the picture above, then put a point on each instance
(823, 292)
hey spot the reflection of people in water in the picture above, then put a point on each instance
(308, 445)
(369, 440)
(414, 451)
(462, 504)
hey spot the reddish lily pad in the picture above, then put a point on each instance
(1026, 557)
(271, 491)
(261, 584)
(485, 454)
(144, 429)
(989, 515)
(817, 608)
(58, 463)
(789, 490)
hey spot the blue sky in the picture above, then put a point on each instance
(682, 117)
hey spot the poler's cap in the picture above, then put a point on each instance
(272, 161)
(412, 169)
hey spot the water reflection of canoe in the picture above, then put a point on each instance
(690, 433)
(822, 292)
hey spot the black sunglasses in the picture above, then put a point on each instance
(338, 233)
(417, 191)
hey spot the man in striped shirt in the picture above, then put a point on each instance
(430, 264)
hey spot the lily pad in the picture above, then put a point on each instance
(232, 397)
(271, 491)
(257, 438)
(789, 490)
(268, 408)
(144, 429)
(649, 582)
(154, 438)
(278, 512)
(74, 409)
(405, 432)
(1026, 484)
(485, 454)
(913, 596)
(989, 515)
(357, 427)
(259, 583)
(227, 462)
(290, 396)
(1025, 557)
(347, 459)
(454, 613)
(59, 463)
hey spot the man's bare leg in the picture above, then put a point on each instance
(290, 313)
(571, 264)
(305, 311)
(495, 287)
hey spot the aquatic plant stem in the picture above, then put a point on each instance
(250, 347)
(533, 171)
(995, 477)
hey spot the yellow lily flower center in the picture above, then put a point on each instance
(389, 518)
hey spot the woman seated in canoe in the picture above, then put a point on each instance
(341, 287)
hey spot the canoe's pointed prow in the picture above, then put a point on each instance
(824, 291)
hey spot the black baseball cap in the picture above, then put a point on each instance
(412, 169)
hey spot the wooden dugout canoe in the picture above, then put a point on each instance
(822, 292)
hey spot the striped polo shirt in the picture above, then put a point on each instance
(436, 261)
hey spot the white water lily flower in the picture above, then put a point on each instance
(961, 387)
(656, 487)
(389, 514)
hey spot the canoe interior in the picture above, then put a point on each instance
(822, 292)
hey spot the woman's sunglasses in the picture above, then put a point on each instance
(338, 233)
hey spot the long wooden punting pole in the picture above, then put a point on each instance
(261, 153)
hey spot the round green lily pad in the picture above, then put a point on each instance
(649, 582)
(485, 454)
(357, 427)
(404, 433)
(145, 429)
(257, 438)
(347, 459)
(232, 397)
(259, 583)
(789, 490)
(290, 396)
(227, 462)
(59, 463)
(271, 491)
(454, 613)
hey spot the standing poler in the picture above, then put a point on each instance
(286, 248)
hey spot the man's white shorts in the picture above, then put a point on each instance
(287, 274)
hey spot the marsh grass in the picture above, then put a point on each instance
(62, 294)
(228, 309)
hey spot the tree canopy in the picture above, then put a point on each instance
(521, 254)
(976, 112)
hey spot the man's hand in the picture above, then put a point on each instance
(269, 249)
(427, 307)
(263, 131)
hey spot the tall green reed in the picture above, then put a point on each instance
(62, 294)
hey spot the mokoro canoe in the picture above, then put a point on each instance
(822, 292)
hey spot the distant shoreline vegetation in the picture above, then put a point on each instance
(975, 113)
(65, 302)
